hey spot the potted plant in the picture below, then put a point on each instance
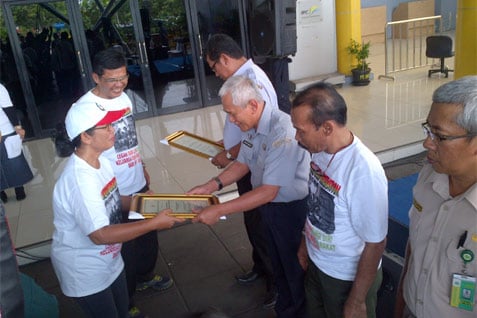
(361, 71)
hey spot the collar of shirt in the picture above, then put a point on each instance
(265, 124)
(440, 184)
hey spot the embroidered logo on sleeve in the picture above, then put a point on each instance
(417, 205)
(281, 142)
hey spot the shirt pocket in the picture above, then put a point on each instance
(246, 151)
(455, 264)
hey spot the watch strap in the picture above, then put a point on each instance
(219, 183)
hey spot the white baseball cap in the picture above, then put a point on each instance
(85, 115)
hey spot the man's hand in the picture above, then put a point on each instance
(206, 188)
(303, 255)
(354, 308)
(220, 160)
(209, 215)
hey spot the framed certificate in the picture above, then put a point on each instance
(182, 205)
(194, 144)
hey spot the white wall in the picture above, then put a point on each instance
(316, 40)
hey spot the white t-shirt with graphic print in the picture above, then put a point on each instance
(348, 206)
(85, 199)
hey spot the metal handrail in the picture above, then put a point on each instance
(410, 52)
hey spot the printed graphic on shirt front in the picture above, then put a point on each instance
(126, 142)
(321, 205)
(125, 137)
(112, 201)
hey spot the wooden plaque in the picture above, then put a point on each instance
(194, 144)
(182, 205)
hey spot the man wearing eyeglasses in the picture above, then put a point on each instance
(225, 58)
(440, 270)
(139, 255)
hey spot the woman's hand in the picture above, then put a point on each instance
(163, 220)
(20, 131)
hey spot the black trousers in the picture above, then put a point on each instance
(139, 256)
(284, 223)
(257, 237)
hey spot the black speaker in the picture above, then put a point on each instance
(272, 27)
(392, 266)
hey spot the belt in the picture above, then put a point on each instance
(10, 134)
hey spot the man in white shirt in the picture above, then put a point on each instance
(346, 226)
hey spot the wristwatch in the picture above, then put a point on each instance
(229, 156)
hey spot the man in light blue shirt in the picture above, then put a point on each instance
(279, 168)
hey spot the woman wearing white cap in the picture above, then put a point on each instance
(87, 214)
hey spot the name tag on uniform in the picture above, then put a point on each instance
(463, 292)
(247, 143)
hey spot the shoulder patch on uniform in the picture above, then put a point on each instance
(280, 142)
(474, 237)
(417, 205)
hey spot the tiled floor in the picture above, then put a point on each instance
(386, 115)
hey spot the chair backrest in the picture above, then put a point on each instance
(438, 46)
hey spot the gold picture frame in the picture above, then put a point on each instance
(194, 144)
(182, 205)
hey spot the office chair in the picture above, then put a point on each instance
(439, 47)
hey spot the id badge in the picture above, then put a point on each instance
(463, 292)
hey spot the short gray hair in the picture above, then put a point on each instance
(242, 90)
(461, 92)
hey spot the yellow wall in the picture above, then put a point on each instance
(348, 26)
(466, 39)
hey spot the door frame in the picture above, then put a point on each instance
(143, 61)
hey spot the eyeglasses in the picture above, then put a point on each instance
(108, 126)
(116, 80)
(438, 137)
(213, 66)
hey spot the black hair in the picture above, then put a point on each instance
(325, 103)
(64, 146)
(222, 44)
(110, 59)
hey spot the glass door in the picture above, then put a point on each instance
(175, 35)
(168, 49)
(210, 17)
(44, 65)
